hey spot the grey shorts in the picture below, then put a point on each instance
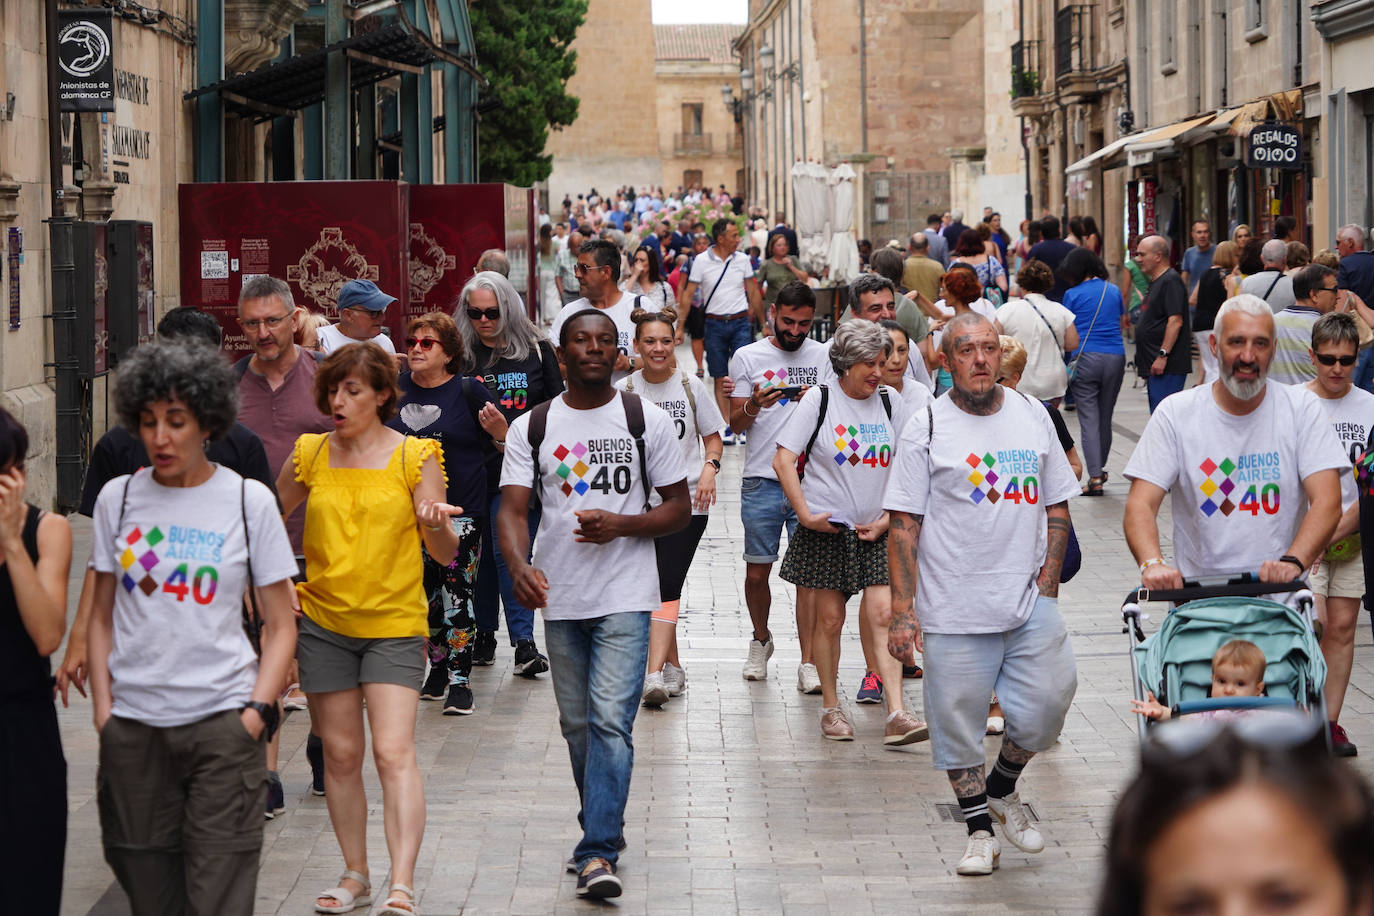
(1030, 668)
(329, 661)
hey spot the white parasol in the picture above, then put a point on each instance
(844, 251)
(813, 212)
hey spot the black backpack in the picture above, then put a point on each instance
(634, 419)
(820, 421)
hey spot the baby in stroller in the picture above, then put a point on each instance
(1237, 671)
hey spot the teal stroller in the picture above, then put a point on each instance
(1176, 661)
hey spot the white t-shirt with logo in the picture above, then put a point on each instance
(1352, 417)
(331, 338)
(767, 365)
(852, 455)
(619, 313)
(917, 398)
(689, 425)
(588, 460)
(1045, 375)
(180, 563)
(920, 376)
(1235, 483)
(730, 297)
(983, 485)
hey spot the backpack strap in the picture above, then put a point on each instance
(930, 425)
(241, 367)
(634, 419)
(820, 420)
(887, 400)
(466, 383)
(687, 387)
(630, 382)
(123, 503)
(252, 618)
(539, 424)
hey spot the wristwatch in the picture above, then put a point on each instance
(1163, 352)
(715, 463)
(270, 717)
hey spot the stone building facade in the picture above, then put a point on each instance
(128, 164)
(699, 140)
(1346, 109)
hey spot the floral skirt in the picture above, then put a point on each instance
(836, 562)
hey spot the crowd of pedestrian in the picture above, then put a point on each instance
(334, 524)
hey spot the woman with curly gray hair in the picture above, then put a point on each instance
(832, 462)
(183, 704)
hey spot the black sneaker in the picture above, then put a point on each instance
(459, 702)
(314, 752)
(276, 798)
(435, 683)
(1340, 742)
(598, 881)
(484, 648)
(528, 661)
(912, 672)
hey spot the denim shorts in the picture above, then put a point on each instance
(1030, 668)
(723, 338)
(764, 509)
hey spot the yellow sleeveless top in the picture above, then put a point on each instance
(364, 573)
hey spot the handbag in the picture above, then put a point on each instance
(1073, 366)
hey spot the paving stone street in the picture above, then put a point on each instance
(737, 803)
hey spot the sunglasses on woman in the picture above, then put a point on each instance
(424, 343)
(1330, 359)
(491, 314)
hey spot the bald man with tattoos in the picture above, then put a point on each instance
(982, 468)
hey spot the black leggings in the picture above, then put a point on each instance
(674, 553)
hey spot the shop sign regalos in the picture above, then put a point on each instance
(1274, 146)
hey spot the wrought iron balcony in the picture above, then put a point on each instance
(1073, 39)
(1025, 69)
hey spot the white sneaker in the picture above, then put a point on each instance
(808, 679)
(1016, 825)
(655, 692)
(675, 679)
(980, 855)
(756, 666)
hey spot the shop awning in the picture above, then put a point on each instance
(1101, 155)
(1162, 138)
(283, 88)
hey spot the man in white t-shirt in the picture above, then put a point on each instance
(598, 270)
(1252, 466)
(1338, 580)
(770, 376)
(979, 505)
(362, 311)
(731, 292)
(593, 485)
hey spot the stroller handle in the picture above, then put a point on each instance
(1237, 585)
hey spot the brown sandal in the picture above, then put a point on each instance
(1094, 487)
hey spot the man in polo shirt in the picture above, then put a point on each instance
(277, 402)
(1315, 290)
(731, 292)
(362, 309)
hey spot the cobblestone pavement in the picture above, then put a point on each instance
(737, 804)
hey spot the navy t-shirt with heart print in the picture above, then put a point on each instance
(448, 414)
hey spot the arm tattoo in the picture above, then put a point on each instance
(904, 531)
(967, 783)
(1058, 541)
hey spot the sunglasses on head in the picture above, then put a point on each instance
(424, 343)
(1328, 359)
(491, 314)
(1276, 729)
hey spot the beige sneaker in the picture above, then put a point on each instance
(904, 728)
(835, 724)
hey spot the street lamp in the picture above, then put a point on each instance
(766, 60)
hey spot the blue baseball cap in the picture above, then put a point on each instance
(363, 294)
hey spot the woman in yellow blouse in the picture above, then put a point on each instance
(374, 496)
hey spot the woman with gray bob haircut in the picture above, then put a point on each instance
(859, 342)
(180, 695)
(833, 458)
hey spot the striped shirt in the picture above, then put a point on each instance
(1292, 340)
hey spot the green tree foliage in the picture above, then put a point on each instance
(524, 47)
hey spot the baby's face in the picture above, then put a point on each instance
(1231, 680)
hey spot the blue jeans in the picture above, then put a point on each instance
(598, 676)
(723, 338)
(494, 583)
(1159, 387)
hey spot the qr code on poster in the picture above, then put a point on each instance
(214, 265)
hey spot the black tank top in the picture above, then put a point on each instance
(23, 672)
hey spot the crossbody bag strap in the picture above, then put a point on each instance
(1091, 324)
(1047, 321)
(725, 268)
(1265, 297)
(252, 617)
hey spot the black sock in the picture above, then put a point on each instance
(976, 817)
(1002, 779)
